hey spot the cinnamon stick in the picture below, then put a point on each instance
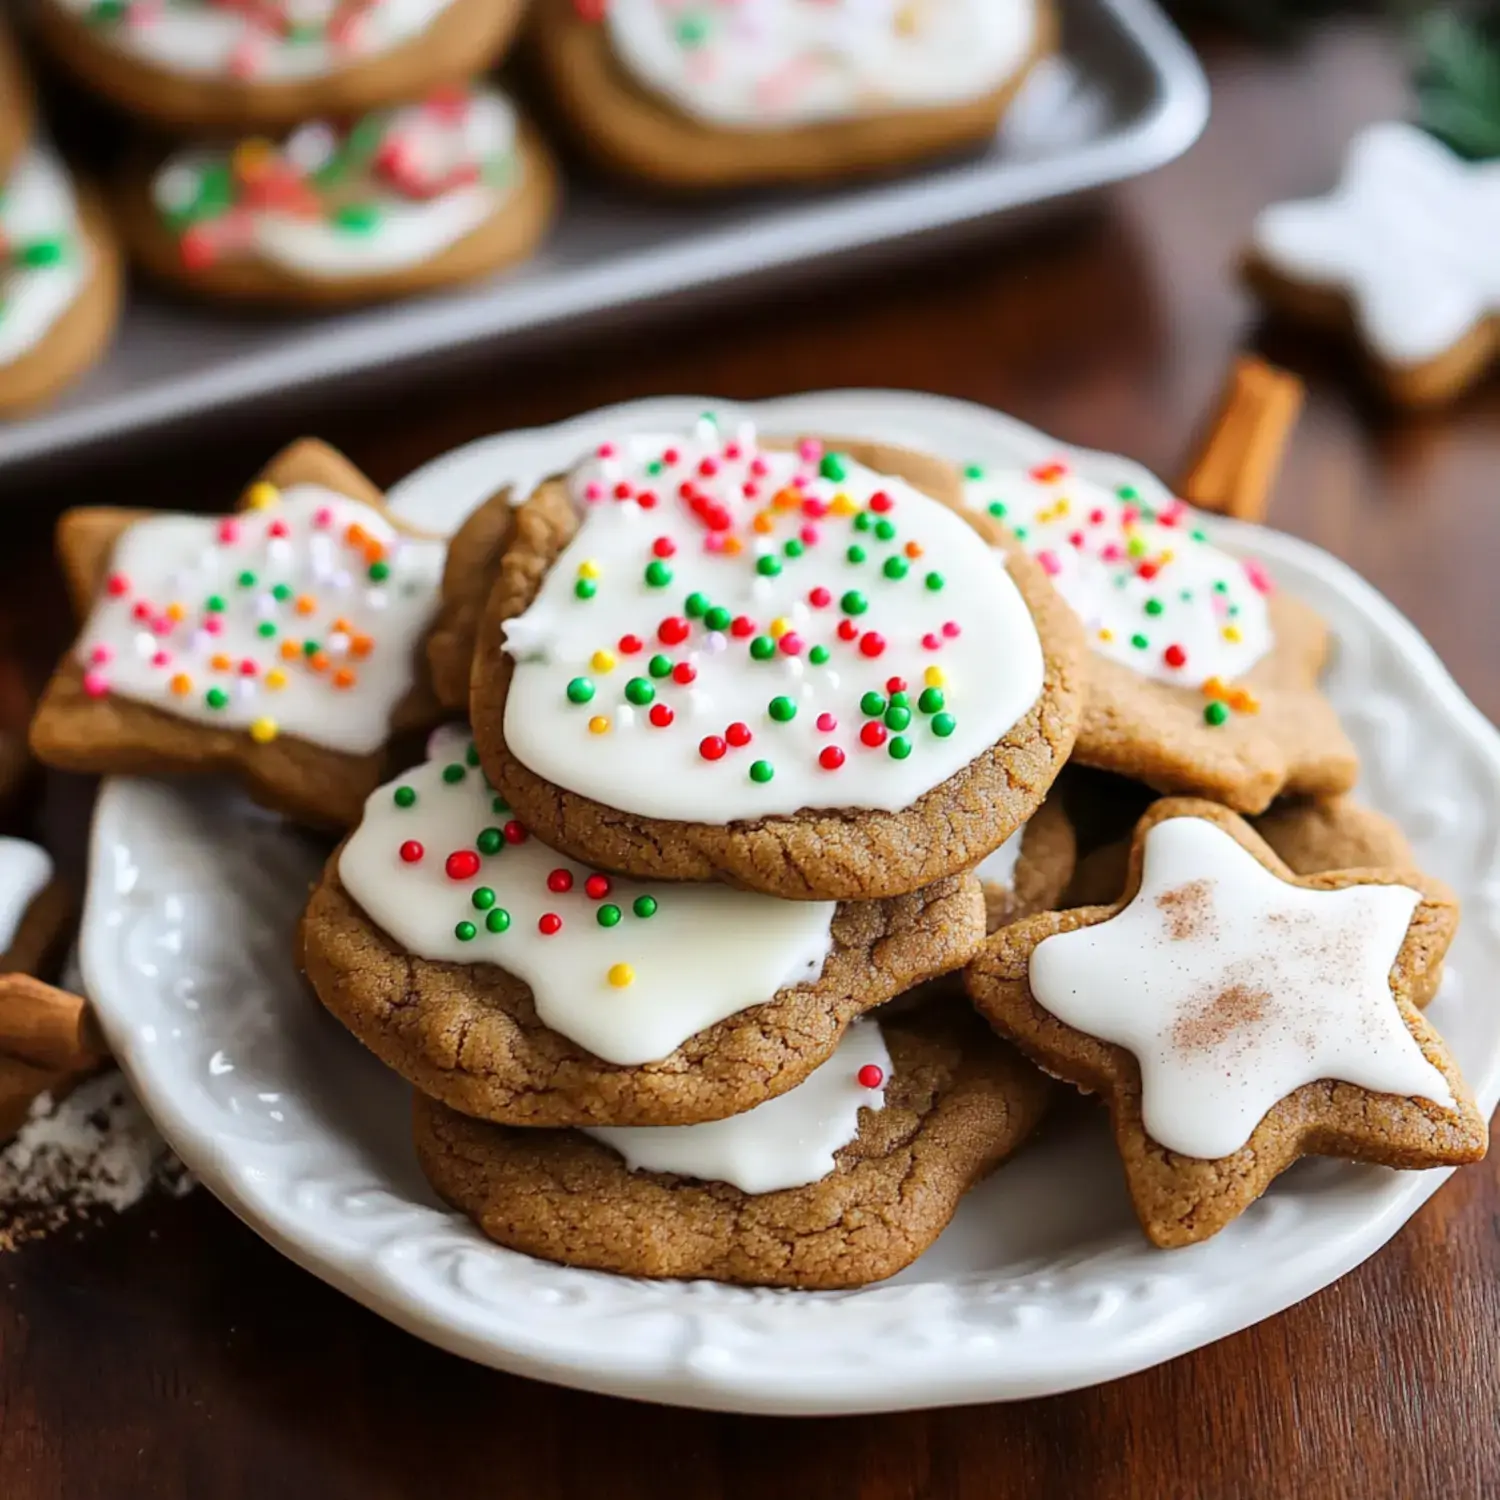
(47, 1027)
(1240, 457)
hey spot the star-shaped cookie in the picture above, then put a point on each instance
(1404, 251)
(283, 643)
(1237, 1017)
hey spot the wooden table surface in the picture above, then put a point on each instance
(170, 1353)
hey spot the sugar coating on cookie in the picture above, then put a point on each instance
(1409, 236)
(787, 1142)
(25, 871)
(380, 194)
(777, 63)
(300, 615)
(739, 631)
(628, 969)
(271, 41)
(1154, 592)
(1233, 988)
(44, 258)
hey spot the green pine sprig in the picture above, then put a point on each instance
(1458, 79)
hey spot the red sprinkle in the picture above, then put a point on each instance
(830, 757)
(549, 924)
(661, 715)
(791, 643)
(646, 500)
(820, 598)
(711, 747)
(950, 629)
(560, 882)
(827, 723)
(673, 631)
(630, 644)
(880, 502)
(1148, 570)
(932, 642)
(622, 491)
(515, 833)
(743, 625)
(873, 734)
(597, 887)
(411, 852)
(738, 734)
(276, 528)
(895, 684)
(1174, 656)
(848, 630)
(871, 643)
(118, 584)
(664, 546)
(462, 864)
(870, 1076)
(684, 672)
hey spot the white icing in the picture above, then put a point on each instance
(999, 868)
(213, 38)
(749, 63)
(787, 1142)
(367, 627)
(706, 953)
(37, 203)
(973, 632)
(1409, 235)
(1114, 560)
(408, 230)
(1238, 988)
(25, 870)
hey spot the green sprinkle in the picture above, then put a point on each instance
(660, 666)
(405, 796)
(357, 218)
(762, 648)
(471, 755)
(762, 771)
(483, 898)
(783, 710)
(454, 773)
(466, 932)
(644, 906)
(943, 725)
(872, 705)
(498, 919)
(1019, 532)
(901, 699)
(898, 748)
(818, 655)
(379, 572)
(1215, 714)
(608, 916)
(862, 521)
(931, 700)
(1198, 534)
(897, 717)
(1139, 642)
(585, 588)
(655, 467)
(281, 593)
(896, 567)
(768, 566)
(1221, 587)
(885, 530)
(500, 805)
(490, 840)
(214, 603)
(973, 471)
(246, 580)
(854, 603)
(855, 554)
(216, 698)
(580, 690)
(834, 466)
(265, 630)
(1128, 492)
(695, 606)
(997, 510)
(40, 253)
(718, 618)
(310, 648)
(102, 12)
(658, 574)
(935, 581)
(1153, 607)
(639, 691)
(794, 547)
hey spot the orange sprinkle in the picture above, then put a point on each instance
(374, 552)
(306, 604)
(733, 545)
(181, 684)
(361, 646)
(341, 624)
(219, 662)
(176, 612)
(763, 523)
(290, 651)
(1214, 688)
(787, 499)
(913, 549)
(344, 678)
(318, 661)
(1243, 701)
(356, 535)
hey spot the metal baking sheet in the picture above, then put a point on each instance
(1125, 95)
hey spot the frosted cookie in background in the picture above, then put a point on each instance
(730, 93)
(16, 105)
(216, 65)
(392, 202)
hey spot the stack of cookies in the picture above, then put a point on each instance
(770, 857)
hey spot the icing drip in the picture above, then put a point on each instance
(44, 260)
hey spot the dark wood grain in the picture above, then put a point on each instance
(172, 1354)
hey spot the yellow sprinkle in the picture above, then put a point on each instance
(1166, 557)
(1232, 634)
(589, 569)
(621, 976)
(779, 626)
(263, 731)
(1136, 547)
(603, 661)
(1106, 635)
(275, 678)
(598, 724)
(1062, 507)
(934, 677)
(842, 505)
(261, 495)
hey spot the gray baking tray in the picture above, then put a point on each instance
(1125, 95)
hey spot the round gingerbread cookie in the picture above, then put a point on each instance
(843, 1181)
(786, 667)
(522, 987)
(795, 90)
(217, 65)
(60, 279)
(1202, 675)
(397, 201)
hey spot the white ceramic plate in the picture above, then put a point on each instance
(1042, 1283)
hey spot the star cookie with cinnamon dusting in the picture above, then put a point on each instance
(1236, 1017)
